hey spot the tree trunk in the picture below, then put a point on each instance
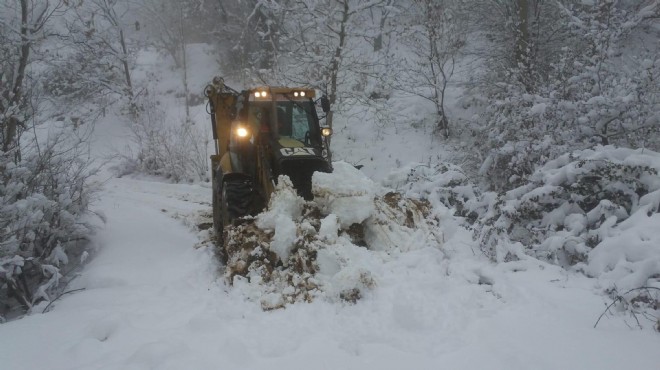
(336, 62)
(378, 40)
(16, 95)
(124, 61)
(223, 11)
(184, 60)
(523, 44)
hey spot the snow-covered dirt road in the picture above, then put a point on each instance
(153, 298)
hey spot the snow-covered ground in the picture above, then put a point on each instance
(153, 296)
(154, 299)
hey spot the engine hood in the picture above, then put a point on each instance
(299, 162)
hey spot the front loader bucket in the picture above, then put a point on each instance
(300, 171)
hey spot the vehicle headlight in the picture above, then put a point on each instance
(326, 131)
(242, 132)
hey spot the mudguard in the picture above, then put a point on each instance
(227, 167)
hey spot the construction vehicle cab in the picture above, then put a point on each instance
(260, 134)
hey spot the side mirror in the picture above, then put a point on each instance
(325, 104)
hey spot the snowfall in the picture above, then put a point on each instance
(154, 295)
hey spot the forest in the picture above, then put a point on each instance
(542, 118)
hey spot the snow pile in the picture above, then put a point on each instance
(444, 185)
(330, 247)
(285, 206)
(345, 193)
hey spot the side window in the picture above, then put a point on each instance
(283, 121)
(255, 117)
(299, 123)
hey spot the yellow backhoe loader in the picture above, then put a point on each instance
(260, 134)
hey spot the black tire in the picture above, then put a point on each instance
(217, 212)
(236, 200)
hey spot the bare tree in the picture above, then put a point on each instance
(18, 35)
(434, 40)
(252, 31)
(100, 29)
(44, 187)
(162, 24)
(519, 39)
(546, 97)
(318, 43)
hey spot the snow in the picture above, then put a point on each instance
(345, 192)
(152, 300)
(630, 256)
(152, 294)
(329, 228)
(284, 207)
(538, 109)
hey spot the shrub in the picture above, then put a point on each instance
(572, 207)
(174, 151)
(42, 199)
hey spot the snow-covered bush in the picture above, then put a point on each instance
(177, 151)
(593, 209)
(42, 199)
(44, 166)
(592, 93)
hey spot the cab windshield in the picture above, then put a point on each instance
(294, 119)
